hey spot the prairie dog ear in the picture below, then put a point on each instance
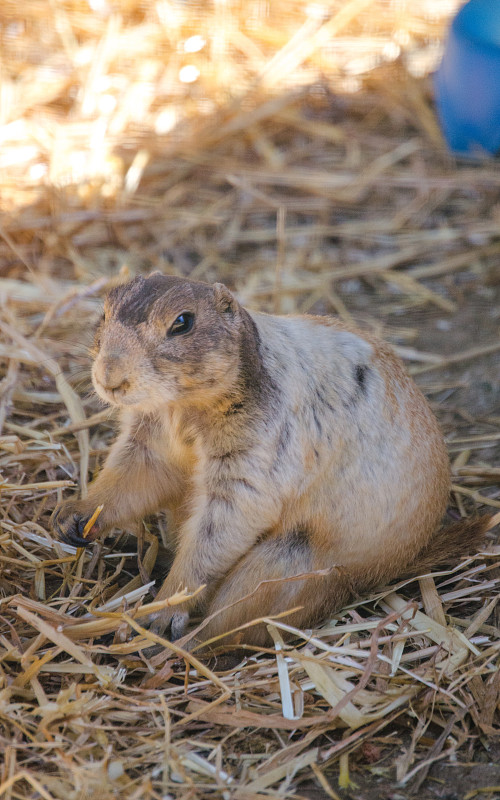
(225, 302)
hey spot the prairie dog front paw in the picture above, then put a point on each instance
(70, 519)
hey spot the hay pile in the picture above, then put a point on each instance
(292, 151)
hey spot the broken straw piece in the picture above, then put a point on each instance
(89, 524)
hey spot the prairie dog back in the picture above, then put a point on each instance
(283, 446)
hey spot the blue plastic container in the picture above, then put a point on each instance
(467, 83)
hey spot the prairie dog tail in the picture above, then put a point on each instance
(451, 543)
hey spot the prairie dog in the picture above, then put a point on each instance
(282, 446)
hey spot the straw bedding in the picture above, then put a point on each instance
(292, 151)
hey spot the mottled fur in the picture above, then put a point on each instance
(281, 446)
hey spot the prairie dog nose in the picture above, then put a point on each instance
(111, 372)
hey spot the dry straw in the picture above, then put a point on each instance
(291, 150)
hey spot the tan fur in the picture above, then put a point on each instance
(282, 446)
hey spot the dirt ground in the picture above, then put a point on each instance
(478, 778)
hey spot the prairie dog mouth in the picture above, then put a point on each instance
(117, 396)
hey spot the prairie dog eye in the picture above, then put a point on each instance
(183, 324)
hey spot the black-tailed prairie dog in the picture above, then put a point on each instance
(283, 446)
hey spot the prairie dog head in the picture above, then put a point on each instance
(167, 340)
